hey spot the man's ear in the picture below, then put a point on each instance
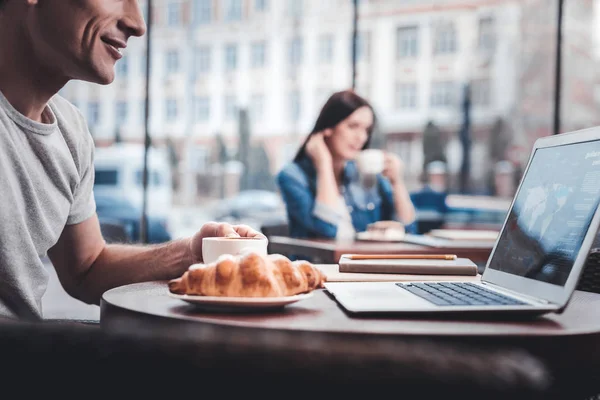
(32, 2)
(327, 132)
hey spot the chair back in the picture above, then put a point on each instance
(281, 229)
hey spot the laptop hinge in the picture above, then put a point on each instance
(519, 294)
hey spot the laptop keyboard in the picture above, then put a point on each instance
(458, 294)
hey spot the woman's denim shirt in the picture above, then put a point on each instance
(310, 219)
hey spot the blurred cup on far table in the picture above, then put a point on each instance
(370, 162)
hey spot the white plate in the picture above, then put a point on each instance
(380, 237)
(219, 303)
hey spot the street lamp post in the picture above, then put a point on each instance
(147, 139)
(354, 40)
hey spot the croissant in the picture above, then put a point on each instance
(249, 275)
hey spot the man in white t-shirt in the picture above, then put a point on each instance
(46, 157)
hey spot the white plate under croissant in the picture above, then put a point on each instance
(249, 280)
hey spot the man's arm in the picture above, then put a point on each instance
(87, 266)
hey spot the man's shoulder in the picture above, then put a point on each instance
(65, 109)
(74, 129)
(70, 118)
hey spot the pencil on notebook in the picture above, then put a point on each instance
(401, 256)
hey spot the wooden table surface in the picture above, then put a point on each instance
(568, 343)
(329, 251)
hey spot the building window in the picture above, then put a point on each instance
(294, 105)
(295, 51)
(325, 49)
(202, 11)
(201, 108)
(199, 158)
(321, 96)
(407, 42)
(171, 109)
(257, 54)
(257, 105)
(233, 10)
(406, 96)
(230, 57)
(442, 94)
(121, 112)
(93, 113)
(481, 93)
(445, 39)
(294, 8)
(363, 46)
(122, 67)
(487, 34)
(172, 62)
(202, 60)
(173, 10)
(230, 108)
(261, 5)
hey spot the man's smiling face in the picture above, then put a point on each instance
(82, 39)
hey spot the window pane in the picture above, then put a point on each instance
(230, 57)
(407, 42)
(233, 10)
(202, 11)
(258, 56)
(326, 49)
(105, 177)
(295, 51)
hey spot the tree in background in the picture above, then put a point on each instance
(173, 162)
(220, 155)
(465, 141)
(377, 138)
(498, 144)
(434, 146)
(257, 172)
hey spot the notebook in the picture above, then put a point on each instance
(464, 234)
(417, 266)
(537, 261)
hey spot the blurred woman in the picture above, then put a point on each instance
(321, 187)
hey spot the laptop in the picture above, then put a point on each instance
(538, 256)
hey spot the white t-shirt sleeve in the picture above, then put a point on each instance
(84, 206)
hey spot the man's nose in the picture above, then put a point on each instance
(133, 21)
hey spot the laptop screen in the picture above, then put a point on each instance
(551, 213)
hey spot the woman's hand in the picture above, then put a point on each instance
(318, 152)
(393, 168)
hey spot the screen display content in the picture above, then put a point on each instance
(551, 214)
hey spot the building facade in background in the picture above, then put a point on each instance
(281, 59)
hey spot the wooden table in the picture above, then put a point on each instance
(328, 251)
(569, 343)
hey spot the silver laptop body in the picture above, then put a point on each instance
(541, 249)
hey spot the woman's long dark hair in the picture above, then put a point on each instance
(337, 108)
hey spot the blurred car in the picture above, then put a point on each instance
(116, 211)
(252, 207)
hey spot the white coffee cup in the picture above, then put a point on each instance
(214, 247)
(370, 161)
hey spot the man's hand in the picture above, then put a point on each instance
(214, 229)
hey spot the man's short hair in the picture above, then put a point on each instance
(2, 2)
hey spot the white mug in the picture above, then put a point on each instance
(370, 162)
(214, 247)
